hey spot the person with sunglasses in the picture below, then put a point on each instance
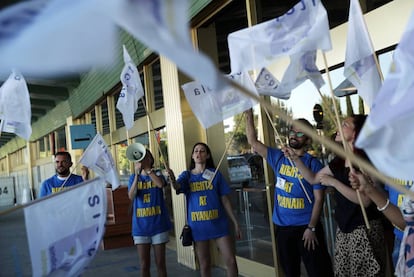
(359, 249)
(297, 206)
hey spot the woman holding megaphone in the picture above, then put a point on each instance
(150, 219)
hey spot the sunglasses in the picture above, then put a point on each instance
(296, 134)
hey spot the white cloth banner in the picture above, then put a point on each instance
(388, 134)
(98, 157)
(53, 37)
(267, 84)
(405, 263)
(162, 25)
(64, 230)
(131, 91)
(360, 68)
(15, 110)
(213, 106)
(301, 68)
(303, 28)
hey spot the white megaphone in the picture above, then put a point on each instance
(136, 152)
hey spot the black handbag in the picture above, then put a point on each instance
(186, 236)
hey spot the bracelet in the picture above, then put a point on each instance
(385, 206)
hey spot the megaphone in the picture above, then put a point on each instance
(136, 152)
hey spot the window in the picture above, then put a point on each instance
(60, 140)
(105, 118)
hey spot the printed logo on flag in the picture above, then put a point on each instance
(64, 230)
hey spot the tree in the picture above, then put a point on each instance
(349, 108)
(361, 108)
(123, 162)
(239, 144)
(329, 121)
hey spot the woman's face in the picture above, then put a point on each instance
(200, 154)
(348, 130)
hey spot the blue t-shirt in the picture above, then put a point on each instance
(396, 198)
(205, 212)
(292, 207)
(54, 184)
(150, 215)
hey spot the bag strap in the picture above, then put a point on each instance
(185, 198)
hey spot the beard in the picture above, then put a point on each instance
(295, 144)
(63, 171)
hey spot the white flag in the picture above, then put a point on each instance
(360, 68)
(303, 28)
(15, 110)
(212, 106)
(301, 68)
(131, 91)
(267, 84)
(53, 37)
(98, 157)
(64, 230)
(163, 26)
(388, 134)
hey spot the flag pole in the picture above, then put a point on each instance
(372, 45)
(1, 126)
(344, 143)
(149, 131)
(73, 170)
(18, 207)
(227, 148)
(334, 147)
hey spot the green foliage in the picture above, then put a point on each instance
(349, 108)
(239, 143)
(361, 108)
(329, 121)
(123, 162)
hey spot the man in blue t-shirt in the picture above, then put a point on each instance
(63, 177)
(297, 206)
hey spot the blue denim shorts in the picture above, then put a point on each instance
(155, 239)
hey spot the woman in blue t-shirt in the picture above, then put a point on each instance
(150, 219)
(208, 208)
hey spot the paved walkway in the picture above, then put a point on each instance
(15, 259)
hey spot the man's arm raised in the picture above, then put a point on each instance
(258, 147)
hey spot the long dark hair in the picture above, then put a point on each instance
(209, 162)
(358, 120)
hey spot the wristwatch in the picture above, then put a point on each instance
(313, 229)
